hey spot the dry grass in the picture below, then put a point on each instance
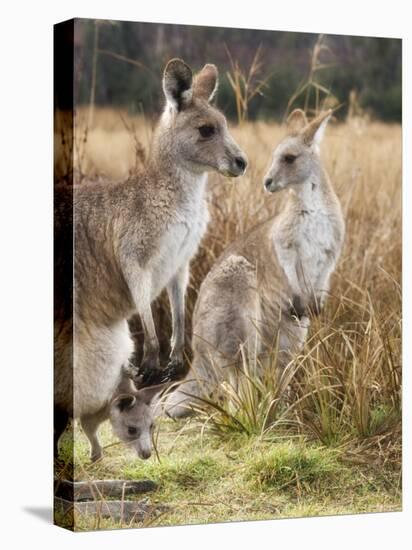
(348, 379)
(355, 347)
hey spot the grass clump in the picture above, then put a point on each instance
(204, 479)
(192, 471)
(293, 464)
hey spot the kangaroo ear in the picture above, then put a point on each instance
(314, 131)
(123, 402)
(206, 82)
(296, 121)
(177, 83)
(147, 394)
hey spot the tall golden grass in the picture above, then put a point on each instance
(347, 381)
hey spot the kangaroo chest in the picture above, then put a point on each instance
(179, 244)
(307, 252)
(315, 244)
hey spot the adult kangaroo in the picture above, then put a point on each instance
(133, 239)
(261, 291)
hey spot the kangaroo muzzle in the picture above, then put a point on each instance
(237, 164)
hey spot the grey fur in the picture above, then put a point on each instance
(129, 410)
(131, 240)
(261, 291)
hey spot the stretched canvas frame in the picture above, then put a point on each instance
(90, 497)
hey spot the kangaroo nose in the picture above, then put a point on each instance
(268, 182)
(241, 163)
(145, 453)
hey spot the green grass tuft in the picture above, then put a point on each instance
(290, 463)
(193, 471)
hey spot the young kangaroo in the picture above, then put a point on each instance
(263, 288)
(130, 414)
(133, 239)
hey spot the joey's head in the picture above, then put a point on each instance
(296, 159)
(132, 417)
(191, 128)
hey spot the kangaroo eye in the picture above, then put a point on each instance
(206, 130)
(131, 430)
(289, 159)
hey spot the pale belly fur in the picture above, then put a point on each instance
(315, 239)
(306, 259)
(98, 359)
(177, 248)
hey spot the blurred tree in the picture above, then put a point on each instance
(131, 57)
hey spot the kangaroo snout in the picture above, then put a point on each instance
(240, 163)
(272, 183)
(268, 182)
(237, 166)
(145, 453)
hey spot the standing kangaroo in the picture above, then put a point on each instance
(263, 287)
(131, 240)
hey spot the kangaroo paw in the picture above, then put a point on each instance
(134, 373)
(150, 376)
(175, 370)
(298, 307)
(96, 455)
